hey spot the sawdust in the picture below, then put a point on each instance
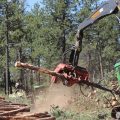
(56, 94)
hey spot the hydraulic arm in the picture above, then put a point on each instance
(72, 72)
(107, 8)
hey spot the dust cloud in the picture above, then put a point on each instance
(56, 94)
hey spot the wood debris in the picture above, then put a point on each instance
(12, 111)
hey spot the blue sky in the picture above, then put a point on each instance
(30, 3)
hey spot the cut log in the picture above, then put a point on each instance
(12, 106)
(5, 117)
(2, 98)
(8, 108)
(44, 116)
(48, 118)
(13, 112)
(18, 104)
(39, 69)
(34, 115)
(24, 118)
(5, 102)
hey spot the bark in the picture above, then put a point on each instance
(8, 108)
(31, 79)
(42, 70)
(64, 47)
(49, 118)
(7, 80)
(2, 98)
(22, 105)
(101, 66)
(36, 114)
(5, 117)
(13, 112)
(38, 75)
(39, 116)
(15, 118)
(9, 111)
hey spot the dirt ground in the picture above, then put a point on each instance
(70, 99)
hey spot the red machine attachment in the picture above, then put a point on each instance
(75, 75)
(72, 74)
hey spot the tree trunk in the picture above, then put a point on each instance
(38, 78)
(7, 54)
(89, 64)
(20, 59)
(64, 47)
(31, 79)
(101, 66)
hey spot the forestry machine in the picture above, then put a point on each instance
(71, 71)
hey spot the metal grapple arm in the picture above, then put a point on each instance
(107, 8)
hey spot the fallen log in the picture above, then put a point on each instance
(15, 118)
(41, 117)
(49, 118)
(12, 106)
(13, 112)
(5, 102)
(8, 108)
(22, 105)
(34, 118)
(5, 117)
(36, 114)
(44, 116)
(25, 118)
(2, 98)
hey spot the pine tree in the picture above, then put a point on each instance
(12, 31)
